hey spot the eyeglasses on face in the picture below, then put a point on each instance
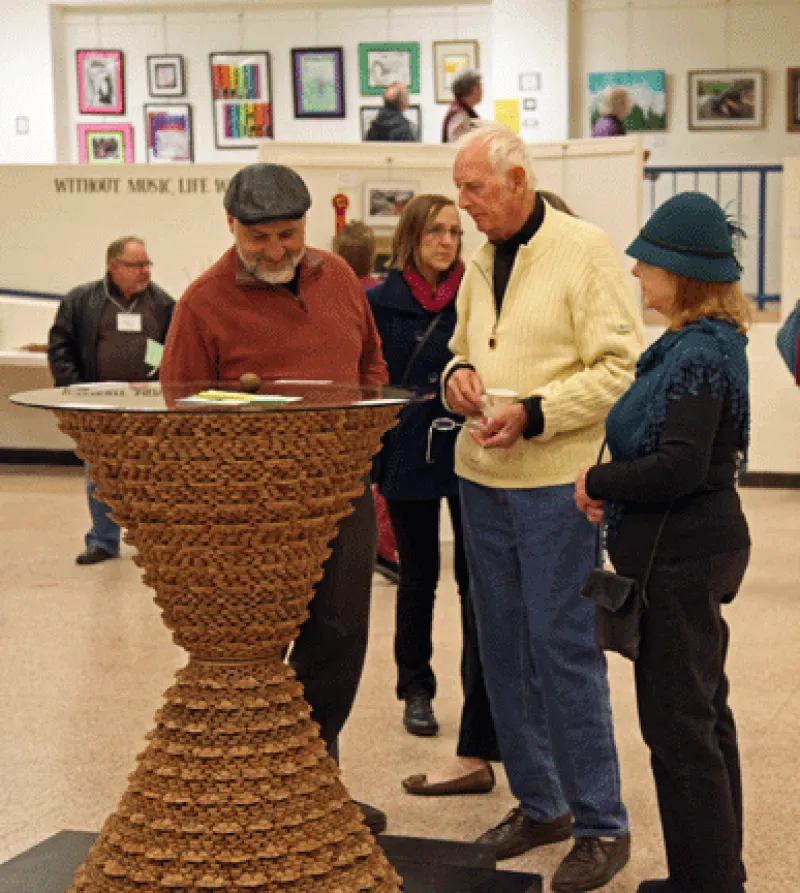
(138, 264)
(439, 231)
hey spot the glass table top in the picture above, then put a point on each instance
(252, 396)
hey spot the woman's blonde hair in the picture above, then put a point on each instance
(355, 243)
(418, 214)
(716, 300)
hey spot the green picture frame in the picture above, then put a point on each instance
(381, 64)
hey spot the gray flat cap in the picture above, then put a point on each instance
(260, 193)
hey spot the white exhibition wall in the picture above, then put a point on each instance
(683, 35)
(194, 33)
(604, 35)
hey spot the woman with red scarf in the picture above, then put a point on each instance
(415, 313)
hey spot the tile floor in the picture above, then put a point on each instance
(84, 659)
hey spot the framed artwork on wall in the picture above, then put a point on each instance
(648, 97)
(168, 131)
(241, 91)
(318, 82)
(530, 81)
(726, 99)
(381, 64)
(384, 201)
(105, 143)
(165, 76)
(101, 87)
(793, 101)
(413, 113)
(448, 57)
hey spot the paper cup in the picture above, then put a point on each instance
(497, 398)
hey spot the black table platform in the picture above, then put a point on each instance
(427, 866)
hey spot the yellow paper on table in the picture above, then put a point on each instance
(506, 111)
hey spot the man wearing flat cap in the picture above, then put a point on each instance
(277, 308)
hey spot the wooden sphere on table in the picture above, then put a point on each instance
(250, 382)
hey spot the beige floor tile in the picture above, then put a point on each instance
(85, 658)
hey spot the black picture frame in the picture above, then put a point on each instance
(318, 82)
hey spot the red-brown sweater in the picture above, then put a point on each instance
(228, 323)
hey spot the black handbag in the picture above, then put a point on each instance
(376, 468)
(620, 602)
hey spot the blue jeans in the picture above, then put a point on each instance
(104, 533)
(528, 552)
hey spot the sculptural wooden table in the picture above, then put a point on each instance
(231, 509)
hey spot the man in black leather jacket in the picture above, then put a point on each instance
(390, 124)
(100, 333)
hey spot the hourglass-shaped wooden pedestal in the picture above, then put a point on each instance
(232, 515)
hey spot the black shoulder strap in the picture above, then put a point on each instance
(598, 554)
(418, 349)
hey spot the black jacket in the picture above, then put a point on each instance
(72, 345)
(402, 470)
(390, 126)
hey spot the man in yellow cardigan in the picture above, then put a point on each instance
(545, 311)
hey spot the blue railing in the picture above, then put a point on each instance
(731, 186)
(21, 293)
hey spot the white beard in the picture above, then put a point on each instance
(284, 273)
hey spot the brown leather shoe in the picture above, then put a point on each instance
(481, 781)
(591, 863)
(518, 833)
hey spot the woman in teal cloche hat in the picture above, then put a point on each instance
(677, 438)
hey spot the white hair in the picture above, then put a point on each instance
(506, 150)
(615, 100)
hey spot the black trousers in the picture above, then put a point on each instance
(416, 530)
(328, 654)
(682, 694)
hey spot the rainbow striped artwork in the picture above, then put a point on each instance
(241, 89)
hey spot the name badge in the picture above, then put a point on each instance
(129, 322)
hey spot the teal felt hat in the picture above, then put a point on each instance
(691, 236)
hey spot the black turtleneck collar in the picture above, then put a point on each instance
(506, 251)
(528, 231)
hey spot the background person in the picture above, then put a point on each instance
(100, 333)
(355, 242)
(415, 314)
(390, 124)
(275, 307)
(545, 311)
(613, 106)
(467, 87)
(676, 439)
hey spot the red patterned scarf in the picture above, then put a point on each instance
(432, 299)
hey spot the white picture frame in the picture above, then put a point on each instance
(385, 200)
(166, 76)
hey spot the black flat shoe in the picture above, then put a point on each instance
(418, 716)
(93, 556)
(374, 818)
